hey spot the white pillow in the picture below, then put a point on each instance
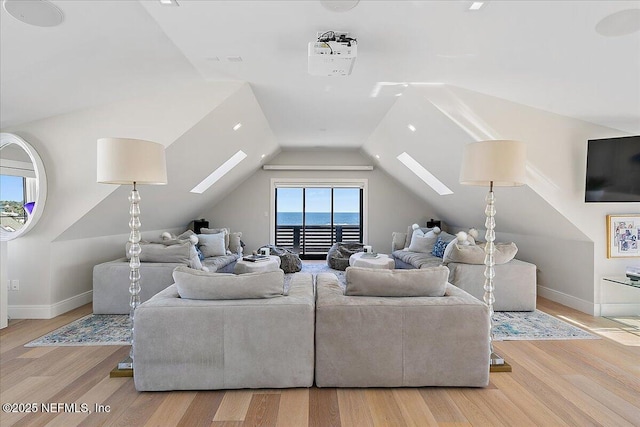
(423, 242)
(226, 232)
(212, 244)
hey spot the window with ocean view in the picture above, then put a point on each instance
(309, 220)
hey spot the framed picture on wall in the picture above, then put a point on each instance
(623, 236)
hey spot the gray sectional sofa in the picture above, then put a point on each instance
(262, 330)
(158, 260)
(111, 281)
(515, 281)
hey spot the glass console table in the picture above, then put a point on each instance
(623, 280)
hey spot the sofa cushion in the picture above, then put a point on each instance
(235, 245)
(417, 259)
(212, 244)
(410, 231)
(423, 242)
(426, 282)
(474, 254)
(159, 252)
(226, 231)
(194, 284)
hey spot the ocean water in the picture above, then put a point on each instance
(318, 218)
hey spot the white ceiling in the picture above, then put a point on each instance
(542, 54)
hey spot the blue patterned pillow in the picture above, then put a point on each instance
(200, 254)
(439, 247)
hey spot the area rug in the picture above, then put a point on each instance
(94, 329)
(534, 325)
(115, 329)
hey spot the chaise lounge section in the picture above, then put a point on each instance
(371, 341)
(209, 344)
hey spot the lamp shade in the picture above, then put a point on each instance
(502, 162)
(125, 161)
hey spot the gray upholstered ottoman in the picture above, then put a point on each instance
(400, 341)
(183, 344)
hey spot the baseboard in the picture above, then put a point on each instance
(619, 309)
(568, 300)
(50, 311)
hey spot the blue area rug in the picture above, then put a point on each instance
(94, 329)
(534, 325)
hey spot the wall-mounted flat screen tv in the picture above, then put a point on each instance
(613, 170)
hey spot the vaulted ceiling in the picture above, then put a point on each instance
(562, 57)
(546, 55)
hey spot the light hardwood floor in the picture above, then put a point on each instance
(553, 383)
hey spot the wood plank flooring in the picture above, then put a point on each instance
(553, 383)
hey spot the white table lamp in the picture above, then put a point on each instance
(500, 163)
(131, 161)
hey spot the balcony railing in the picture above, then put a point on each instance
(315, 239)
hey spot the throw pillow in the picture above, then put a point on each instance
(212, 244)
(423, 242)
(194, 284)
(216, 231)
(439, 247)
(235, 245)
(474, 254)
(424, 282)
(410, 230)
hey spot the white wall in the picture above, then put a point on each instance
(391, 206)
(54, 273)
(548, 218)
(557, 149)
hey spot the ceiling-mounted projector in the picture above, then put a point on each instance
(332, 54)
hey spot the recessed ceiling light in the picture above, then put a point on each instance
(412, 128)
(234, 58)
(424, 174)
(40, 13)
(263, 156)
(237, 126)
(399, 94)
(169, 3)
(220, 172)
(620, 23)
(476, 5)
(339, 5)
(377, 156)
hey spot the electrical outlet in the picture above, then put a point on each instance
(15, 285)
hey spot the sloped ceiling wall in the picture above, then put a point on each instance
(547, 218)
(190, 159)
(438, 143)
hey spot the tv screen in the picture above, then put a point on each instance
(613, 170)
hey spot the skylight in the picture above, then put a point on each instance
(424, 174)
(476, 5)
(220, 172)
